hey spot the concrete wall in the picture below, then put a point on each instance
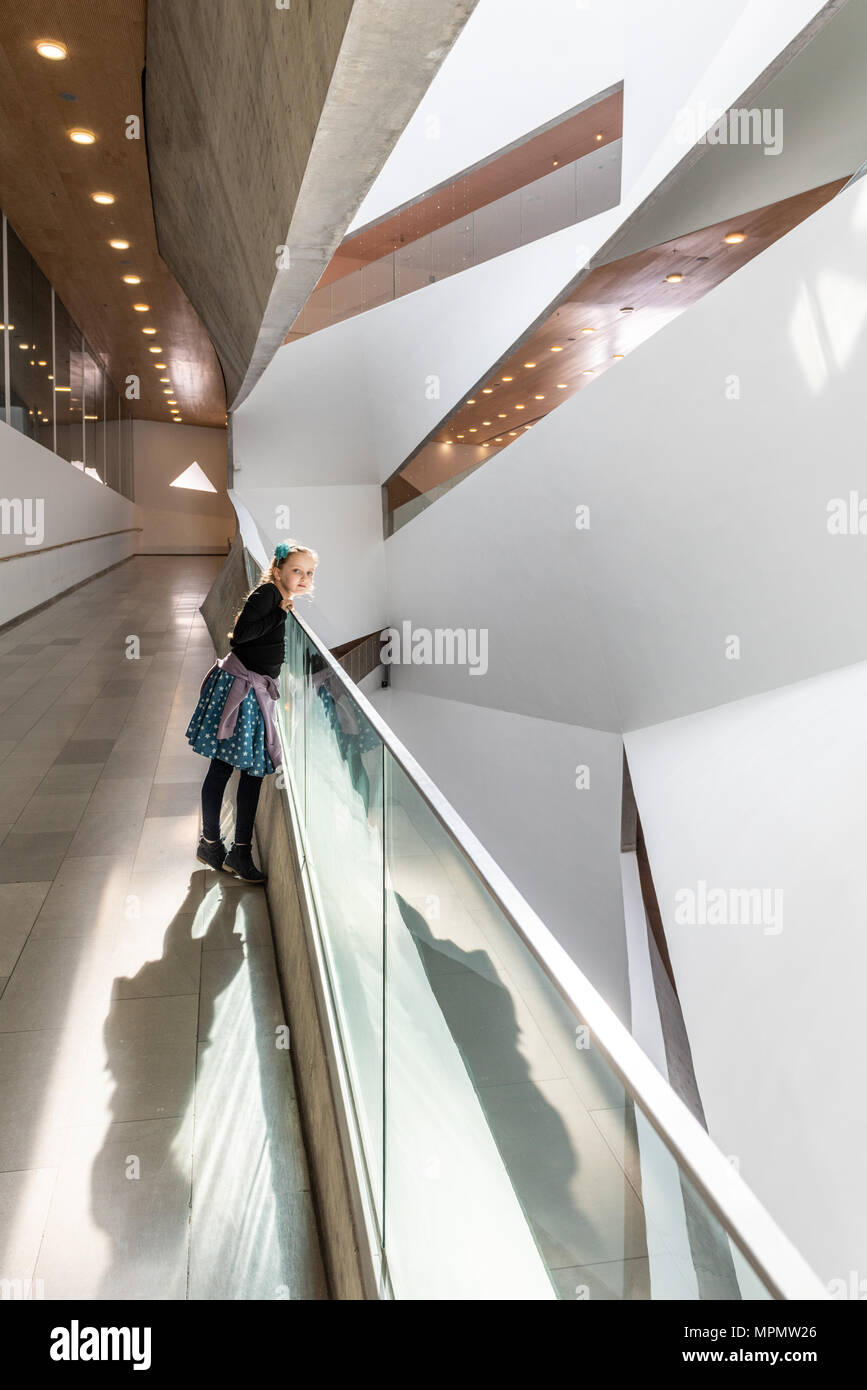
(311, 100)
(176, 520)
(74, 506)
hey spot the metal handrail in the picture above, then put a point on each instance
(769, 1252)
(61, 545)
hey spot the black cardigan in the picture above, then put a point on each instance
(259, 634)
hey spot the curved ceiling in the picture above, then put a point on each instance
(46, 187)
(267, 125)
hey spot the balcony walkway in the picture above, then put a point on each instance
(150, 1144)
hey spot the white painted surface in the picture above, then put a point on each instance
(708, 513)
(768, 793)
(513, 780)
(348, 404)
(694, 56)
(823, 126)
(344, 526)
(75, 506)
(175, 520)
(511, 70)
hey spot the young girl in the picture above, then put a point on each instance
(233, 724)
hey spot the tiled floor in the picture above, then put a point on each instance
(149, 1137)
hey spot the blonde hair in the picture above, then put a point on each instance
(282, 552)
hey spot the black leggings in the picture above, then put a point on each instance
(245, 805)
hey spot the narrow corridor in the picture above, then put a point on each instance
(150, 1145)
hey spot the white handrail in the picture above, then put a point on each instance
(779, 1265)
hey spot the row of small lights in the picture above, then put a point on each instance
(731, 239)
(51, 49)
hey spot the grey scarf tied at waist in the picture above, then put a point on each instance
(267, 693)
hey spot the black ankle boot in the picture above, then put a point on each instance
(211, 852)
(239, 861)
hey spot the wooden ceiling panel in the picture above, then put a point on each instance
(613, 310)
(589, 129)
(46, 182)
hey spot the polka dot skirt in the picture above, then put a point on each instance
(246, 747)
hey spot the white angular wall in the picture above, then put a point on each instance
(75, 507)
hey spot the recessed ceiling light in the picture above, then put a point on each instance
(460, 436)
(160, 366)
(132, 279)
(501, 416)
(79, 136)
(63, 388)
(486, 422)
(599, 136)
(447, 441)
(487, 390)
(149, 331)
(513, 432)
(507, 378)
(520, 407)
(118, 244)
(51, 48)
(558, 348)
(499, 439)
(588, 330)
(735, 238)
(617, 357)
(171, 402)
(486, 444)
(23, 345)
(473, 429)
(167, 391)
(588, 371)
(165, 378)
(539, 398)
(674, 278)
(102, 197)
(42, 363)
(561, 385)
(91, 417)
(555, 162)
(142, 308)
(472, 402)
(529, 364)
(50, 377)
(154, 349)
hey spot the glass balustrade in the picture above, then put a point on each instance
(559, 199)
(506, 1156)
